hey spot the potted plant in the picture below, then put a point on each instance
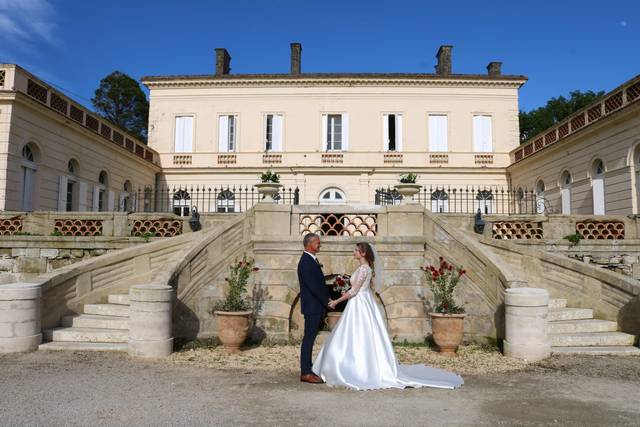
(339, 284)
(269, 186)
(234, 313)
(447, 319)
(408, 188)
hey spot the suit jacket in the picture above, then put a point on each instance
(314, 294)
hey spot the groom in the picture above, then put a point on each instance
(314, 298)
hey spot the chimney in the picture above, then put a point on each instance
(296, 58)
(223, 60)
(494, 68)
(444, 60)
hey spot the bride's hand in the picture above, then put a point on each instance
(332, 304)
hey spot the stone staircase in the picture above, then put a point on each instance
(102, 327)
(575, 331)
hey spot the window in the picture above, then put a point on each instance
(29, 169)
(482, 134)
(392, 129)
(226, 201)
(335, 131)
(181, 203)
(67, 195)
(126, 204)
(332, 196)
(565, 192)
(227, 133)
(184, 134)
(439, 201)
(273, 132)
(597, 187)
(540, 197)
(483, 201)
(438, 133)
(100, 202)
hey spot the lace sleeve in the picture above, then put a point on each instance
(357, 280)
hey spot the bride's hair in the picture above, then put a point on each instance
(367, 251)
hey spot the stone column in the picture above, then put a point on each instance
(150, 320)
(20, 317)
(526, 324)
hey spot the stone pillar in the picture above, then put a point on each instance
(526, 324)
(150, 320)
(20, 317)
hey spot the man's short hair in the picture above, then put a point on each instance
(308, 238)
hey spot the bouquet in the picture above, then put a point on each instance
(341, 283)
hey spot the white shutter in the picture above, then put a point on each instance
(223, 134)
(345, 132)
(598, 196)
(438, 133)
(179, 142)
(277, 132)
(482, 134)
(62, 194)
(385, 132)
(82, 196)
(486, 134)
(398, 132)
(121, 206)
(27, 189)
(324, 125)
(477, 133)
(96, 198)
(184, 134)
(565, 195)
(110, 201)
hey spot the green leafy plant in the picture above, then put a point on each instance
(443, 280)
(409, 178)
(146, 236)
(573, 239)
(237, 299)
(22, 233)
(269, 176)
(56, 233)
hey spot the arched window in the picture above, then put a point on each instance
(126, 196)
(484, 200)
(181, 203)
(29, 168)
(226, 201)
(100, 192)
(565, 192)
(332, 196)
(521, 204)
(540, 197)
(597, 187)
(439, 201)
(68, 186)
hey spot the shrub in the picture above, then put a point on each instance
(443, 280)
(409, 178)
(269, 176)
(236, 299)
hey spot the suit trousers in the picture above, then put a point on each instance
(312, 323)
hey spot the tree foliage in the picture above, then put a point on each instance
(121, 100)
(556, 110)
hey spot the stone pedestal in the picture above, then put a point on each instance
(20, 317)
(526, 324)
(150, 321)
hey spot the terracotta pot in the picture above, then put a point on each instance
(407, 191)
(447, 332)
(268, 190)
(233, 328)
(332, 318)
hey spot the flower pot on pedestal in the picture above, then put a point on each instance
(268, 191)
(408, 191)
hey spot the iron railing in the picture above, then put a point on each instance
(181, 200)
(468, 199)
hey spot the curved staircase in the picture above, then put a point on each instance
(575, 331)
(102, 327)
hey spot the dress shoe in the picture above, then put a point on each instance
(311, 378)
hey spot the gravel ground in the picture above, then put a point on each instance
(259, 388)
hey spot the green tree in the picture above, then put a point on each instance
(121, 100)
(556, 110)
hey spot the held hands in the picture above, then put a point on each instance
(332, 304)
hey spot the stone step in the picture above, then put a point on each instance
(96, 321)
(122, 299)
(584, 339)
(557, 303)
(584, 325)
(86, 335)
(107, 309)
(82, 346)
(598, 351)
(569, 314)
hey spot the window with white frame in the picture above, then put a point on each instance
(67, 194)
(332, 196)
(597, 187)
(482, 134)
(273, 132)
(335, 132)
(439, 201)
(392, 131)
(184, 134)
(438, 132)
(227, 133)
(29, 169)
(565, 192)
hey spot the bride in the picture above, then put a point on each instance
(358, 353)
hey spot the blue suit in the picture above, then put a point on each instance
(314, 297)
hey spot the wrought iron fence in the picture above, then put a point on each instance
(181, 200)
(468, 199)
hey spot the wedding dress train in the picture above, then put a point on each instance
(358, 354)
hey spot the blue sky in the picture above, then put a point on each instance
(560, 45)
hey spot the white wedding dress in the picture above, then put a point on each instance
(358, 354)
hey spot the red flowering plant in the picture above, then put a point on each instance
(341, 283)
(443, 280)
(237, 298)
